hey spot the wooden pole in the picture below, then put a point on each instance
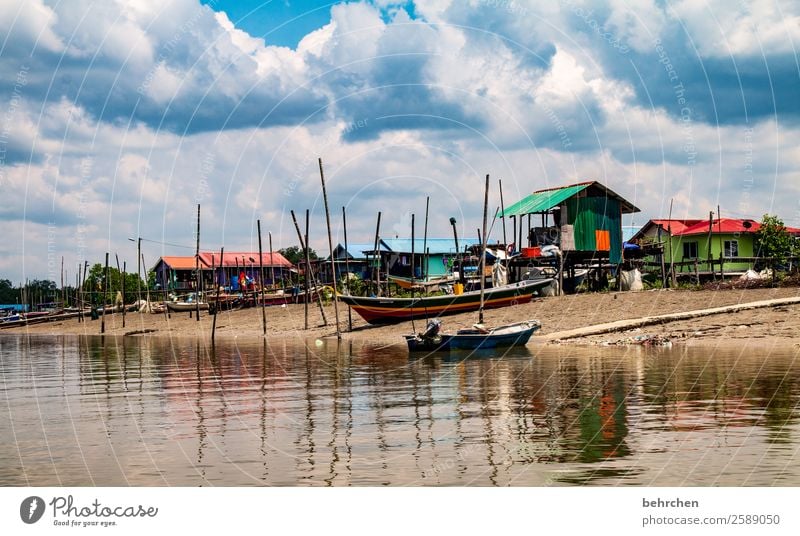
(483, 248)
(78, 295)
(330, 246)
(721, 245)
(503, 208)
(63, 295)
(271, 262)
(124, 269)
(413, 329)
(139, 274)
(261, 275)
(708, 244)
(198, 290)
(424, 268)
(347, 268)
(309, 272)
(83, 282)
(216, 307)
(377, 254)
(105, 289)
(122, 289)
(671, 252)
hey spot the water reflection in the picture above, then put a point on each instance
(133, 411)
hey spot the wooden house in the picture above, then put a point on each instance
(698, 245)
(179, 272)
(583, 220)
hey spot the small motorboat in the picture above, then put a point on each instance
(184, 306)
(479, 337)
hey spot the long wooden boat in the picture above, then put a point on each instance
(392, 310)
(506, 336)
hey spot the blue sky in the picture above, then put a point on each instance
(117, 118)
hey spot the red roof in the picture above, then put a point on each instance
(181, 263)
(246, 258)
(721, 226)
(207, 260)
(676, 226)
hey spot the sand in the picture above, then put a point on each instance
(778, 325)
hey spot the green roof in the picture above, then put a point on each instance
(543, 201)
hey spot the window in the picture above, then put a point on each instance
(731, 248)
(690, 250)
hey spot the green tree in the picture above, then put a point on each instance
(294, 254)
(773, 239)
(8, 294)
(94, 283)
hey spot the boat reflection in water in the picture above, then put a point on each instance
(134, 411)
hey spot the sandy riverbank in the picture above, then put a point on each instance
(776, 325)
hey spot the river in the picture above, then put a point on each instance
(80, 411)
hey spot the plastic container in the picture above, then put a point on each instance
(532, 252)
(458, 289)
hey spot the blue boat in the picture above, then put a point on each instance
(506, 336)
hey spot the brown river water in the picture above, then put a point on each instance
(81, 411)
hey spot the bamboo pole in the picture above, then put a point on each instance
(503, 208)
(271, 262)
(124, 269)
(216, 307)
(78, 296)
(413, 329)
(483, 248)
(376, 253)
(83, 282)
(673, 278)
(309, 272)
(122, 290)
(197, 268)
(105, 289)
(63, 295)
(330, 246)
(347, 268)
(424, 268)
(261, 277)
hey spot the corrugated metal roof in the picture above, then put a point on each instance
(543, 200)
(245, 258)
(182, 263)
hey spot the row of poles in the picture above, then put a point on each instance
(310, 279)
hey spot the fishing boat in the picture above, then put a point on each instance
(430, 284)
(184, 306)
(506, 336)
(392, 310)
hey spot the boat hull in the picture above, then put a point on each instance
(182, 307)
(393, 310)
(473, 341)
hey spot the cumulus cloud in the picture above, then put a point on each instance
(131, 114)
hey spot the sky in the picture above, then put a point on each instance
(118, 118)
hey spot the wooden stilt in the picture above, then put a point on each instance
(217, 307)
(261, 282)
(330, 246)
(482, 265)
(347, 269)
(199, 289)
(376, 252)
(105, 290)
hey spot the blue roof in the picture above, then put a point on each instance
(356, 250)
(434, 245)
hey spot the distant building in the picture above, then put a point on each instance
(690, 242)
(178, 272)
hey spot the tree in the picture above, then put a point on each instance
(94, 283)
(294, 254)
(773, 239)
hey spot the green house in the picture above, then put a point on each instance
(693, 242)
(584, 220)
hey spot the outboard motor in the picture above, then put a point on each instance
(432, 329)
